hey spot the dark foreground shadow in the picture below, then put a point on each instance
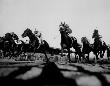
(50, 76)
(100, 77)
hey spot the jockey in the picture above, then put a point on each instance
(96, 34)
(68, 30)
(39, 36)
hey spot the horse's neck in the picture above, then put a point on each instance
(31, 37)
(64, 36)
(97, 39)
(86, 44)
(9, 39)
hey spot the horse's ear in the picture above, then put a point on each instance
(61, 23)
(64, 22)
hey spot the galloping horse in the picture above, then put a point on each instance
(104, 47)
(21, 47)
(2, 40)
(98, 47)
(68, 42)
(87, 47)
(2, 43)
(9, 43)
(34, 42)
(108, 52)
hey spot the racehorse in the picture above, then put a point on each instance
(98, 47)
(87, 47)
(104, 47)
(21, 47)
(34, 42)
(9, 43)
(108, 52)
(68, 42)
(2, 43)
(2, 46)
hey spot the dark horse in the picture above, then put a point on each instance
(9, 43)
(34, 42)
(87, 47)
(2, 40)
(2, 43)
(99, 47)
(68, 42)
(104, 47)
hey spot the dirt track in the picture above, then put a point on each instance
(83, 74)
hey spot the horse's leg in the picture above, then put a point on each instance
(20, 51)
(61, 52)
(79, 58)
(83, 57)
(97, 54)
(88, 57)
(10, 53)
(76, 57)
(43, 49)
(69, 54)
(108, 54)
(47, 59)
(103, 53)
(35, 50)
(80, 55)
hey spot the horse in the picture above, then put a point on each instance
(87, 47)
(9, 43)
(21, 47)
(108, 52)
(68, 42)
(104, 48)
(2, 43)
(98, 47)
(34, 42)
(2, 40)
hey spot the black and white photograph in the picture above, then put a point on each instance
(55, 42)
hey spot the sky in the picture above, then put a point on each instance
(83, 16)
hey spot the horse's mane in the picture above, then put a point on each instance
(8, 36)
(85, 40)
(15, 36)
(28, 30)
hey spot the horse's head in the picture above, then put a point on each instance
(26, 32)
(1, 39)
(8, 36)
(14, 36)
(84, 40)
(62, 28)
